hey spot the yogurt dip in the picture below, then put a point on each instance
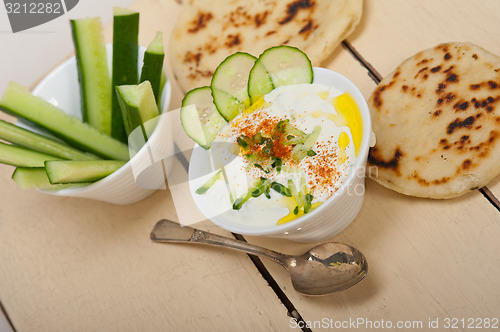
(282, 157)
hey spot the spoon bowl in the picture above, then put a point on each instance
(325, 269)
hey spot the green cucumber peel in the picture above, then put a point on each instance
(30, 140)
(125, 58)
(36, 178)
(152, 68)
(18, 101)
(22, 157)
(93, 73)
(80, 171)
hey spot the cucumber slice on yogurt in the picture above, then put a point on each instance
(230, 84)
(259, 82)
(199, 116)
(226, 104)
(287, 65)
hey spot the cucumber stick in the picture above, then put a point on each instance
(80, 171)
(152, 68)
(25, 138)
(22, 157)
(36, 178)
(93, 73)
(17, 100)
(125, 57)
(138, 106)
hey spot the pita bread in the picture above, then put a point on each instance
(437, 122)
(207, 31)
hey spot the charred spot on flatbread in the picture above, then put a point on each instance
(218, 28)
(441, 107)
(297, 6)
(375, 159)
(294, 7)
(200, 22)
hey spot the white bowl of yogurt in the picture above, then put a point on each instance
(328, 174)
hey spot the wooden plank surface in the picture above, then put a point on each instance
(428, 259)
(87, 266)
(79, 265)
(392, 31)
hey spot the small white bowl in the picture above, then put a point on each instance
(125, 186)
(329, 218)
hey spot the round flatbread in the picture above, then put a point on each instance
(437, 122)
(207, 31)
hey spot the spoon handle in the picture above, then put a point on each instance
(169, 231)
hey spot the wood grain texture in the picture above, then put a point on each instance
(427, 258)
(392, 31)
(79, 265)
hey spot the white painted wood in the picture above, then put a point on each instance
(70, 264)
(79, 265)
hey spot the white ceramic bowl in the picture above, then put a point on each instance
(61, 88)
(333, 215)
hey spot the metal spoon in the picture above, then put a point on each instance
(327, 268)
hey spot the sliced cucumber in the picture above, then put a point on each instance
(72, 171)
(22, 157)
(152, 68)
(17, 100)
(259, 82)
(230, 84)
(138, 106)
(93, 73)
(125, 57)
(200, 118)
(228, 105)
(25, 138)
(241, 80)
(287, 65)
(36, 178)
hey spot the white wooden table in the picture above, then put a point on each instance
(78, 265)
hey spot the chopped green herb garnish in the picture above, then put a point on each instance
(307, 203)
(267, 192)
(244, 141)
(260, 187)
(259, 166)
(278, 163)
(311, 153)
(280, 126)
(268, 148)
(240, 201)
(281, 189)
(207, 185)
(296, 210)
(257, 138)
